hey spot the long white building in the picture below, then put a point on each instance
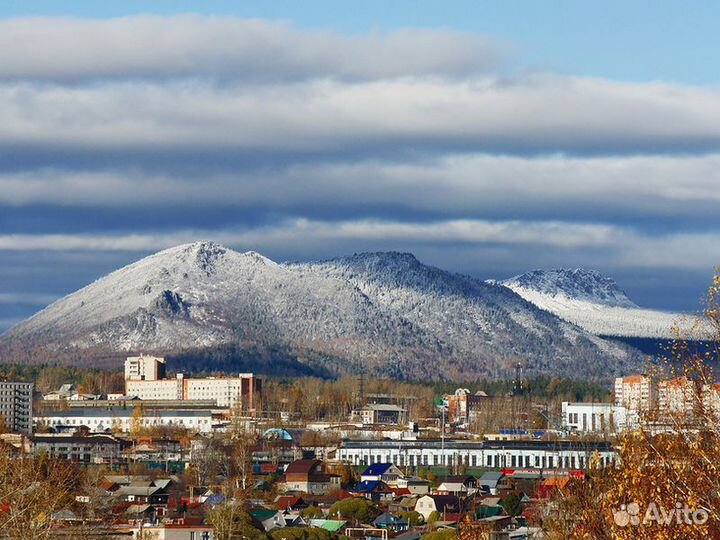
(544, 455)
(121, 419)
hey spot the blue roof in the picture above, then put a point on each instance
(377, 469)
(277, 433)
(389, 519)
(215, 498)
(366, 486)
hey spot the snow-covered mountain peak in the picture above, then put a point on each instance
(576, 284)
(594, 302)
(259, 258)
(383, 313)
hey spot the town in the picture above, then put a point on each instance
(176, 457)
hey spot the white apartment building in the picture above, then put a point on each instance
(711, 400)
(677, 397)
(145, 379)
(593, 417)
(637, 393)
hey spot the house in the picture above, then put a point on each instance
(333, 526)
(384, 472)
(290, 502)
(405, 504)
(493, 481)
(143, 492)
(308, 476)
(443, 504)
(269, 519)
(374, 490)
(167, 531)
(380, 413)
(145, 512)
(463, 406)
(294, 519)
(391, 523)
(415, 485)
(458, 485)
(80, 448)
(550, 485)
(64, 392)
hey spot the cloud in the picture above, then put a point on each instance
(466, 185)
(599, 243)
(229, 48)
(164, 124)
(146, 132)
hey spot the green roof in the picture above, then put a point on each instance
(262, 515)
(330, 525)
(489, 511)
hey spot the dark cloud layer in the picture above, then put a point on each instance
(122, 136)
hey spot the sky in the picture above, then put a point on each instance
(488, 138)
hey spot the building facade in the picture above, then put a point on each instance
(120, 419)
(145, 378)
(593, 417)
(677, 398)
(543, 455)
(96, 448)
(463, 406)
(16, 406)
(144, 368)
(637, 393)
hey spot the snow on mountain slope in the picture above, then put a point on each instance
(595, 303)
(382, 313)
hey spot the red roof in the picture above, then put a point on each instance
(303, 466)
(288, 501)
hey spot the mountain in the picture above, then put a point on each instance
(594, 302)
(385, 314)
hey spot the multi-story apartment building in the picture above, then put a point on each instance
(145, 378)
(144, 368)
(637, 393)
(711, 400)
(677, 397)
(16, 406)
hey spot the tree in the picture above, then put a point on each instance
(512, 504)
(412, 517)
(300, 533)
(670, 474)
(136, 421)
(433, 517)
(32, 489)
(232, 522)
(311, 512)
(445, 534)
(356, 509)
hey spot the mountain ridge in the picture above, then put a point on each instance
(382, 313)
(596, 303)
